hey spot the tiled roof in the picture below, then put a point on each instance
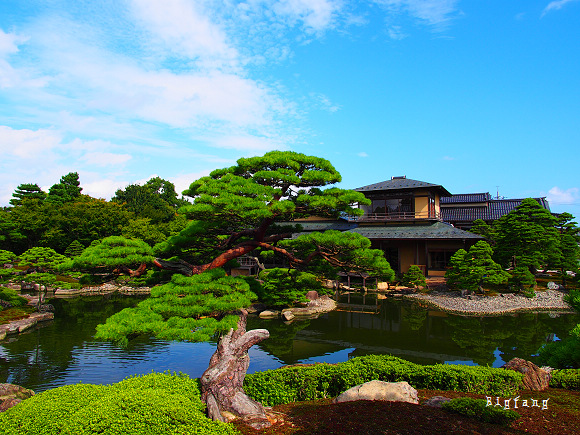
(466, 197)
(437, 230)
(496, 208)
(402, 184)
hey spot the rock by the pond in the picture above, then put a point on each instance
(553, 286)
(11, 395)
(535, 378)
(379, 390)
(287, 315)
(436, 401)
(268, 314)
(312, 295)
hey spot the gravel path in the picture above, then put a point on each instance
(549, 300)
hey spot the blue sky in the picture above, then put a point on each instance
(468, 94)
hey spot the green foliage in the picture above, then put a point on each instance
(6, 257)
(340, 251)
(522, 279)
(414, 277)
(75, 249)
(12, 296)
(112, 252)
(527, 237)
(6, 275)
(143, 229)
(566, 378)
(286, 287)
(469, 270)
(483, 229)
(151, 404)
(66, 190)
(27, 191)
(478, 409)
(46, 258)
(178, 309)
(291, 384)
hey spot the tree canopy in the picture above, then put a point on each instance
(67, 189)
(28, 191)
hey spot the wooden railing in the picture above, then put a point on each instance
(395, 216)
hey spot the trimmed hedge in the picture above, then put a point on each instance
(566, 378)
(158, 403)
(478, 409)
(12, 296)
(293, 384)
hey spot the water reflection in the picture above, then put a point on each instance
(64, 351)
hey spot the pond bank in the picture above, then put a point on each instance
(453, 302)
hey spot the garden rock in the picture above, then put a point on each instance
(379, 390)
(553, 286)
(11, 395)
(287, 315)
(312, 295)
(535, 378)
(267, 314)
(436, 401)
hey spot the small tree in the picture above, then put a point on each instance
(115, 254)
(41, 257)
(75, 249)
(7, 256)
(414, 277)
(286, 287)
(475, 268)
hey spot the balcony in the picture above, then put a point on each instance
(397, 216)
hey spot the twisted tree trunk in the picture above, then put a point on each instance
(222, 383)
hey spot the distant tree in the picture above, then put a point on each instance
(66, 190)
(156, 200)
(75, 249)
(483, 229)
(474, 268)
(7, 256)
(143, 229)
(116, 255)
(22, 227)
(28, 191)
(527, 237)
(414, 277)
(286, 287)
(41, 257)
(569, 235)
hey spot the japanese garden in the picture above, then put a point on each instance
(268, 259)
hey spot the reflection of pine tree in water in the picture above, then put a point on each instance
(282, 335)
(414, 316)
(481, 336)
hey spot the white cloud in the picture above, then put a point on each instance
(555, 6)
(102, 188)
(362, 154)
(317, 15)
(448, 158)
(28, 144)
(558, 196)
(432, 12)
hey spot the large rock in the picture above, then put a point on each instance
(535, 378)
(436, 401)
(11, 395)
(379, 390)
(312, 295)
(267, 314)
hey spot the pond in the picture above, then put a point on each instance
(64, 352)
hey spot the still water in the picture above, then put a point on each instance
(64, 352)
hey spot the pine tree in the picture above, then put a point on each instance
(27, 191)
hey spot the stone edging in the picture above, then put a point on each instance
(18, 326)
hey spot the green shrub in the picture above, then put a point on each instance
(12, 296)
(43, 257)
(6, 275)
(152, 404)
(478, 409)
(414, 277)
(291, 384)
(562, 354)
(6, 256)
(286, 287)
(566, 378)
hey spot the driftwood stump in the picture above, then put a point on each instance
(222, 383)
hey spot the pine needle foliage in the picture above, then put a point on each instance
(112, 252)
(185, 309)
(75, 249)
(414, 277)
(43, 257)
(7, 256)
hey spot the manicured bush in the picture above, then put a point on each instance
(478, 409)
(12, 297)
(6, 256)
(286, 287)
(153, 404)
(43, 257)
(566, 378)
(414, 277)
(291, 384)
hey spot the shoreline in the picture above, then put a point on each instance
(452, 302)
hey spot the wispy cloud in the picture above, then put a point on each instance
(559, 196)
(448, 158)
(362, 154)
(555, 6)
(436, 13)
